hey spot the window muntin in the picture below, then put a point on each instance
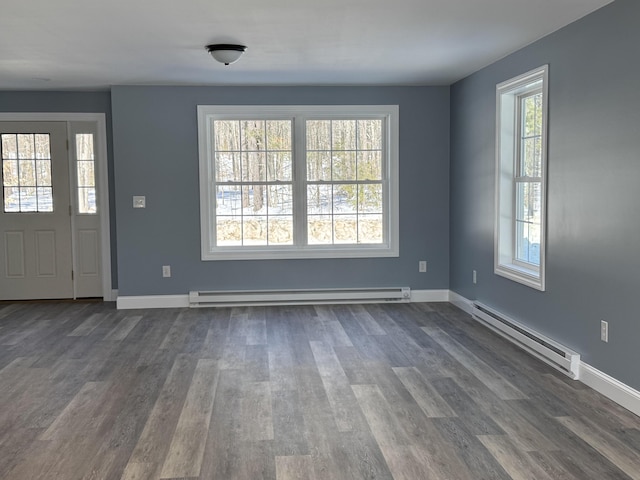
(521, 179)
(328, 188)
(85, 173)
(26, 172)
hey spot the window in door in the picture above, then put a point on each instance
(26, 172)
(85, 174)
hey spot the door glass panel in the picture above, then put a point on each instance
(85, 174)
(26, 172)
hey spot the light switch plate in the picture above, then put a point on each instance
(139, 201)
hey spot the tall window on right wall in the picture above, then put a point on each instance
(521, 164)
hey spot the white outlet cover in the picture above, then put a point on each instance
(139, 201)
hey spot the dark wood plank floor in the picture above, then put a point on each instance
(410, 391)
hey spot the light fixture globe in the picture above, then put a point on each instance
(226, 53)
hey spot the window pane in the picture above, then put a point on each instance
(26, 147)
(87, 200)
(319, 199)
(344, 165)
(279, 134)
(226, 135)
(27, 173)
(42, 146)
(528, 201)
(11, 199)
(252, 135)
(9, 146)
(345, 199)
(370, 198)
(279, 166)
(538, 121)
(370, 229)
(228, 167)
(529, 161)
(10, 173)
(228, 200)
(28, 199)
(254, 167)
(280, 230)
(45, 199)
(369, 134)
(228, 231)
(528, 116)
(319, 230)
(370, 165)
(537, 168)
(532, 115)
(84, 146)
(43, 173)
(253, 200)
(318, 135)
(254, 230)
(86, 175)
(280, 199)
(345, 229)
(318, 166)
(343, 134)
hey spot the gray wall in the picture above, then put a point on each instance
(155, 145)
(593, 265)
(71, 102)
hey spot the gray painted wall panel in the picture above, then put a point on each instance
(72, 102)
(155, 144)
(593, 266)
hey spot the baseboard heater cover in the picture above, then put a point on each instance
(549, 351)
(299, 297)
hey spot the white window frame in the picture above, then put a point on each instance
(299, 114)
(508, 134)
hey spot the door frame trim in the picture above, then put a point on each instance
(103, 177)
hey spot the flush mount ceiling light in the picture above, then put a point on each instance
(226, 53)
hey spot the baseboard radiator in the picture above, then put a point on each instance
(549, 351)
(299, 297)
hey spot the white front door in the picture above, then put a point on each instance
(35, 213)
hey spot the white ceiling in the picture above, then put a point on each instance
(91, 44)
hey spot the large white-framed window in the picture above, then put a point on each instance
(298, 181)
(521, 164)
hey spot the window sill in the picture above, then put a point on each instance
(284, 253)
(529, 277)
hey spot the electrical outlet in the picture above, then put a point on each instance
(422, 266)
(166, 271)
(604, 331)
(475, 277)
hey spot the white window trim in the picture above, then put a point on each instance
(505, 263)
(391, 211)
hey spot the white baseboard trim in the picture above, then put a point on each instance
(152, 301)
(429, 296)
(611, 388)
(460, 302)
